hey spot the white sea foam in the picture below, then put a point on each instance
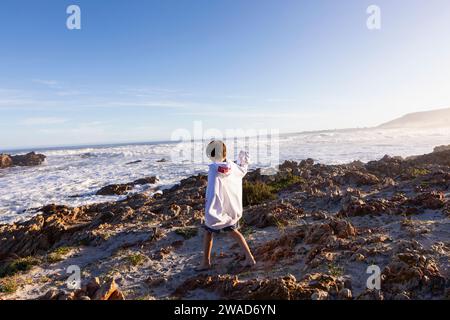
(82, 171)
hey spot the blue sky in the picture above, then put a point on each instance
(139, 69)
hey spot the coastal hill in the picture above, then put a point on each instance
(421, 120)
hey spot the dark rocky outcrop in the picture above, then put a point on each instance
(5, 161)
(29, 159)
(120, 189)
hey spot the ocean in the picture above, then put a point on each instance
(71, 176)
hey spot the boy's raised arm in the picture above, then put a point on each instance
(243, 159)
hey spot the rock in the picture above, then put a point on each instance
(173, 210)
(398, 205)
(284, 288)
(106, 290)
(441, 148)
(92, 291)
(123, 188)
(29, 159)
(401, 296)
(156, 281)
(319, 295)
(359, 257)
(358, 178)
(345, 294)
(386, 167)
(41, 232)
(275, 213)
(411, 271)
(388, 182)
(114, 189)
(148, 180)
(133, 162)
(430, 200)
(323, 233)
(117, 295)
(92, 286)
(441, 157)
(371, 295)
(52, 294)
(88, 155)
(5, 161)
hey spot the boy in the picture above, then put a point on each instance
(224, 200)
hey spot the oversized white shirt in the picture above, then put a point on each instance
(224, 192)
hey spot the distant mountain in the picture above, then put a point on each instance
(426, 119)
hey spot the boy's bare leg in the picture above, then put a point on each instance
(207, 246)
(250, 260)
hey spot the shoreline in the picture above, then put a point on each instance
(119, 172)
(309, 224)
(156, 142)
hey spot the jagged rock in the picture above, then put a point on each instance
(272, 214)
(106, 290)
(307, 163)
(430, 200)
(5, 161)
(117, 295)
(123, 188)
(398, 205)
(319, 295)
(441, 157)
(358, 178)
(412, 271)
(446, 209)
(388, 182)
(39, 233)
(156, 281)
(345, 294)
(173, 210)
(148, 180)
(401, 296)
(114, 189)
(285, 288)
(282, 248)
(29, 159)
(371, 295)
(359, 257)
(441, 148)
(92, 286)
(92, 291)
(322, 233)
(387, 166)
(60, 225)
(52, 294)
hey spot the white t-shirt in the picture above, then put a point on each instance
(224, 192)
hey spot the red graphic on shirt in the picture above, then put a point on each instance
(223, 169)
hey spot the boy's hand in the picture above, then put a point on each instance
(243, 159)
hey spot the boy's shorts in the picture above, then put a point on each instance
(226, 229)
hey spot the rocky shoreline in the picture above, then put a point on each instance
(315, 229)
